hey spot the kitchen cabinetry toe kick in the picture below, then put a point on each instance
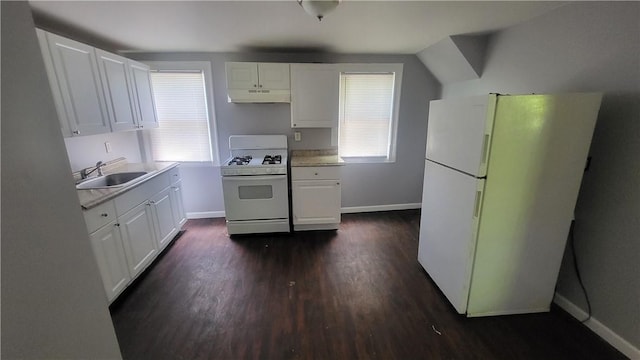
(305, 227)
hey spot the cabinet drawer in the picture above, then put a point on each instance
(174, 175)
(315, 173)
(99, 216)
(142, 192)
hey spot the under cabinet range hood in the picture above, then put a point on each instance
(250, 82)
(258, 96)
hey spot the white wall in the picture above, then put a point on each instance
(85, 151)
(362, 184)
(53, 302)
(593, 46)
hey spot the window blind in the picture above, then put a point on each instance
(183, 132)
(366, 107)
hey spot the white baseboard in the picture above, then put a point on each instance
(205, 214)
(344, 210)
(359, 209)
(599, 328)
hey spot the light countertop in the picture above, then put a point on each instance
(92, 197)
(315, 158)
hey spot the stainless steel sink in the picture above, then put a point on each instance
(111, 180)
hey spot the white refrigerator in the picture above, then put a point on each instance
(502, 174)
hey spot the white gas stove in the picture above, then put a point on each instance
(256, 164)
(255, 186)
(256, 155)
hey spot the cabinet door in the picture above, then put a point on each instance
(143, 95)
(112, 263)
(162, 207)
(117, 85)
(242, 75)
(314, 95)
(53, 83)
(273, 76)
(179, 215)
(138, 238)
(80, 87)
(316, 201)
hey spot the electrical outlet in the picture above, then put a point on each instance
(107, 146)
(297, 136)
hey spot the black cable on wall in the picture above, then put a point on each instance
(577, 269)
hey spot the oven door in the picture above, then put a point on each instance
(255, 197)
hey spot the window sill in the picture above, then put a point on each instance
(367, 160)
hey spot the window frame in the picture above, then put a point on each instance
(396, 69)
(178, 66)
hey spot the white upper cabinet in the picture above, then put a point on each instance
(242, 75)
(258, 82)
(273, 76)
(75, 82)
(116, 83)
(315, 92)
(96, 91)
(145, 108)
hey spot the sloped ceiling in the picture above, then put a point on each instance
(456, 58)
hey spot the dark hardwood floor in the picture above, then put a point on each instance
(355, 293)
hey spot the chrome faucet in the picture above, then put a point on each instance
(84, 173)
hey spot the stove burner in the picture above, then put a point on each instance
(272, 160)
(240, 160)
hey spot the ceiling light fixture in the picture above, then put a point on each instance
(318, 8)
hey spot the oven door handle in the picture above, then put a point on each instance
(255, 178)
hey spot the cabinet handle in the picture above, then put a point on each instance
(141, 126)
(117, 224)
(254, 85)
(316, 174)
(77, 132)
(260, 85)
(104, 214)
(294, 125)
(337, 183)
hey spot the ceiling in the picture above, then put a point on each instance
(356, 27)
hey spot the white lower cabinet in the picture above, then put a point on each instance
(138, 237)
(112, 262)
(162, 210)
(128, 232)
(179, 216)
(316, 197)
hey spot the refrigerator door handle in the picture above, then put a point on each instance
(485, 148)
(477, 206)
(476, 211)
